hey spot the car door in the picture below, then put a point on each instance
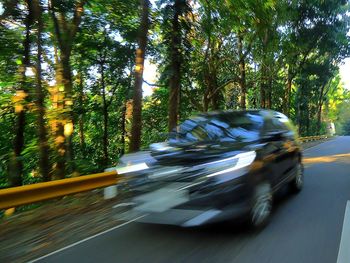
(290, 145)
(276, 154)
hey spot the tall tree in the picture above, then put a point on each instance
(174, 28)
(175, 77)
(16, 166)
(40, 97)
(135, 142)
(65, 30)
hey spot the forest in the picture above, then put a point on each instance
(72, 74)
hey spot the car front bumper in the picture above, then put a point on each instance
(204, 206)
(193, 218)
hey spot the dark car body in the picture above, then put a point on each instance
(217, 166)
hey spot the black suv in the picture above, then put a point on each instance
(216, 166)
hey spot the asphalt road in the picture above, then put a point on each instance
(304, 228)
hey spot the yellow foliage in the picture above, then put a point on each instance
(17, 99)
(68, 129)
(59, 139)
(9, 212)
(138, 68)
(18, 108)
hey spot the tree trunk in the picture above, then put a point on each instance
(254, 103)
(308, 122)
(175, 78)
(81, 114)
(42, 132)
(264, 68)
(68, 102)
(65, 32)
(59, 166)
(263, 86)
(319, 116)
(206, 100)
(319, 110)
(16, 165)
(215, 100)
(301, 112)
(8, 7)
(299, 115)
(211, 96)
(105, 116)
(269, 93)
(136, 128)
(81, 133)
(288, 94)
(214, 96)
(242, 78)
(123, 127)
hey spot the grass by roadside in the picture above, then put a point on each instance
(55, 224)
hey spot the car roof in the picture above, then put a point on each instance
(261, 112)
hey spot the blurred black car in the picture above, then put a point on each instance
(217, 166)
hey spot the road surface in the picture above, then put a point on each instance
(304, 228)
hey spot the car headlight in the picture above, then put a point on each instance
(132, 168)
(238, 161)
(163, 147)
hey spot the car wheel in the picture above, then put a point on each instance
(298, 182)
(262, 205)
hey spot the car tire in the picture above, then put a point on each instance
(261, 206)
(296, 185)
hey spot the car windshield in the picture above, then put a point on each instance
(224, 128)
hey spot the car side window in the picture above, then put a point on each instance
(245, 128)
(214, 132)
(279, 125)
(196, 134)
(274, 125)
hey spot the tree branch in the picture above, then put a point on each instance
(221, 87)
(312, 46)
(249, 48)
(112, 92)
(153, 84)
(55, 23)
(9, 6)
(78, 12)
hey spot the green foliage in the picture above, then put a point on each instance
(277, 42)
(154, 122)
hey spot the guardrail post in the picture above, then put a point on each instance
(110, 191)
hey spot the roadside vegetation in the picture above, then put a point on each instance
(72, 74)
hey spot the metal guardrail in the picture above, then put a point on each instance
(313, 138)
(27, 194)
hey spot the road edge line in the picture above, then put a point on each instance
(85, 239)
(344, 251)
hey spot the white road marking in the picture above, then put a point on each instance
(85, 239)
(123, 204)
(344, 247)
